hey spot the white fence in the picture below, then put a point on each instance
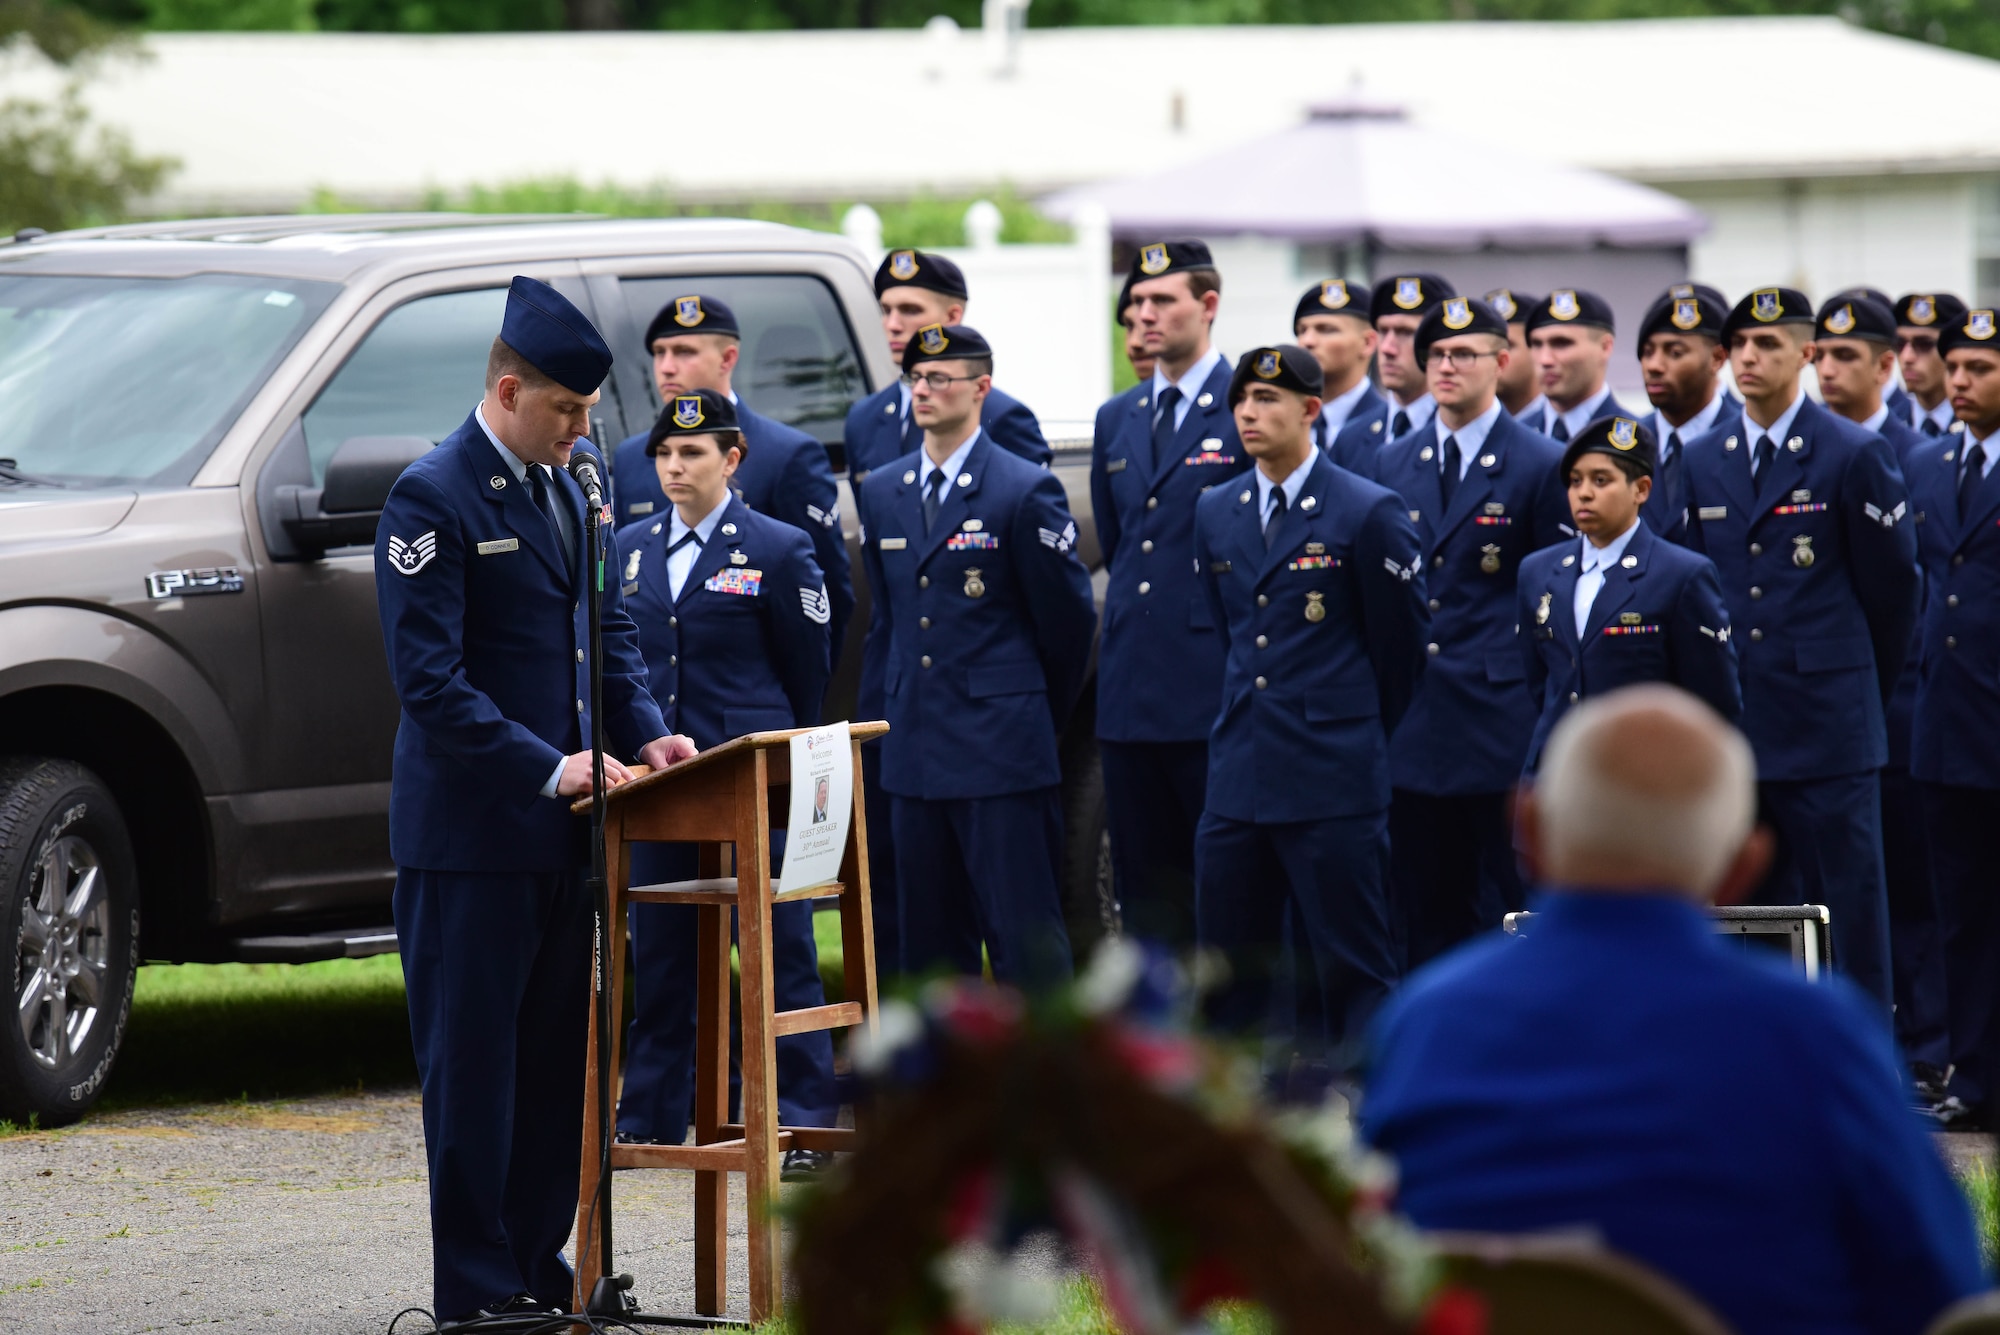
(1045, 309)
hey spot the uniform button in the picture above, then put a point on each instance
(1152, 502)
(1756, 592)
(923, 581)
(673, 621)
(923, 623)
(673, 660)
(672, 698)
(1261, 683)
(1951, 601)
(1958, 560)
(1434, 604)
(1951, 641)
(579, 655)
(925, 661)
(1573, 697)
(1263, 641)
(1431, 649)
(1437, 563)
(1756, 549)
(1263, 600)
(1146, 546)
(1756, 635)
(1145, 586)
(579, 706)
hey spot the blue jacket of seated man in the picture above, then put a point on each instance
(1159, 673)
(1468, 728)
(1658, 617)
(1622, 1069)
(784, 474)
(986, 621)
(1818, 566)
(745, 647)
(469, 577)
(1323, 637)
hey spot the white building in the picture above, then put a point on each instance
(1821, 185)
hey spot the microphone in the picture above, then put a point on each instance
(583, 468)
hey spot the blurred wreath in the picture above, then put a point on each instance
(1096, 1114)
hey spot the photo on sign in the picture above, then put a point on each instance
(822, 805)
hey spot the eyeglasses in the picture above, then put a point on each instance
(937, 380)
(1459, 359)
(1925, 344)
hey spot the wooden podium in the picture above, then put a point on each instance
(718, 799)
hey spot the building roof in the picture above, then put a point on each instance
(265, 118)
(1360, 171)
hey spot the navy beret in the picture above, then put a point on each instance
(1124, 300)
(1332, 297)
(692, 315)
(1619, 437)
(920, 268)
(1165, 257)
(1856, 315)
(1875, 293)
(1928, 308)
(1509, 307)
(945, 343)
(1769, 305)
(1686, 308)
(1571, 306)
(1454, 316)
(699, 412)
(1973, 329)
(1408, 294)
(553, 336)
(1285, 365)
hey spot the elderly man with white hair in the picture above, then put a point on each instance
(1622, 1070)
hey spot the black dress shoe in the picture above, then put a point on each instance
(1929, 1082)
(1954, 1114)
(804, 1165)
(523, 1311)
(627, 1138)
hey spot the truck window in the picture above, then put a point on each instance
(417, 373)
(799, 363)
(128, 381)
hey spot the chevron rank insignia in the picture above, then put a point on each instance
(1400, 572)
(1060, 542)
(824, 518)
(407, 558)
(1886, 518)
(813, 602)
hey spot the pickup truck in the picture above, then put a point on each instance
(196, 719)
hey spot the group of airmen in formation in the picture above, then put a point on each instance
(1338, 626)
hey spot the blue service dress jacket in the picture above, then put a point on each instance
(986, 620)
(1323, 637)
(1370, 407)
(1362, 437)
(1900, 713)
(1468, 727)
(1666, 510)
(1658, 617)
(1623, 1069)
(1818, 566)
(784, 474)
(1159, 673)
(878, 431)
(1956, 735)
(1534, 419)
(469, 578)
(745, 648)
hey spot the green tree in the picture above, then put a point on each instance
(57, 170)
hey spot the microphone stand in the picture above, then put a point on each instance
(599, 883)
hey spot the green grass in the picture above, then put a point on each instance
(1982, 1187)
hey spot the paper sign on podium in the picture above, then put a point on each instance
(822, 802)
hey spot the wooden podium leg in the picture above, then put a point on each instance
(590, 1259)
(759, 1059)
(711, 1093)
(857, 917)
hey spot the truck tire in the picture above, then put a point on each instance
(1090, 901)
(69, 892)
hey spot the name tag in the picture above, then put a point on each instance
(499, 545)
(1713, 512)
(1116, 465)
(642, 507)
(894, 544)
(631, 589)
(1218, 567)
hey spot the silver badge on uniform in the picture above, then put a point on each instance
(975, 587)
(1802, 552)
(497, 482)
(1489, 558)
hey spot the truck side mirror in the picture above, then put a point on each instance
(344, 511)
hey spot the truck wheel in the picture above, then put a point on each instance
(70, 895)
(1090, 901)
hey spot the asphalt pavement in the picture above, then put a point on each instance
(307, 1217)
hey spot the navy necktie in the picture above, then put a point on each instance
(1164, 426)
(1275, 518)
(538, 487)
(1761, 458)
(1448, 479)
(1400, 426)
(933, 497)
(1319, 433)
(1931, 428)
(910, 429)
(1975, 472)
(1561, 430)
(1670, 465)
